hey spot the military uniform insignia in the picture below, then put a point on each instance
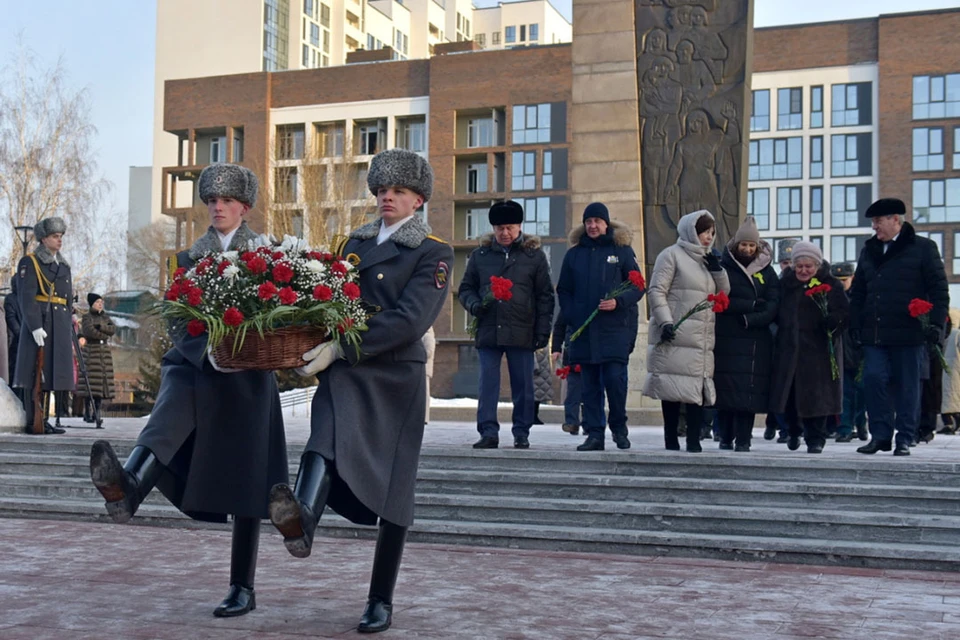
(23, 272)
(353, 259)
(440, 275)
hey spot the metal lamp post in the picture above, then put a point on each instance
(24, 231)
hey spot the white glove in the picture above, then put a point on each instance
(320, 358)
(213, 363)
(38, 336)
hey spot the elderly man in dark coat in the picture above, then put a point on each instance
(516, 327)
(600, 258)
(895, 266)
(367, 418)
(44, 291)
(214, 443)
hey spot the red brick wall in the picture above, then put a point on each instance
(815, 45)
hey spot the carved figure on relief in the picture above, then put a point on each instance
(660, 112)
(728, 168)
(692, 178)
(693, 76)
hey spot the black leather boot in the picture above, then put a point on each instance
(378, 614)
(241, 597)
(875, 445)
(123, 487)
(98, 413)
(295, 513)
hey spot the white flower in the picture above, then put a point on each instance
(292, 244)
(315, 266)
(347, 265)
(263, 240)
(230, 255)
(231, 272)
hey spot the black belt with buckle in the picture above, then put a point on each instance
(96, 341)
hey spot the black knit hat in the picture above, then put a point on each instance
(596, 210)
(93, 297)
(506, 212)
(886, 207)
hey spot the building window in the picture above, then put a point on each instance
(477, 177)
(290, 139)
(817, 240)
(844, 211)
(495, 37)
(536, 216)
(758, 206)
(370, 137)
(218, 149)
(956, 253)
(850, 155)
(531, 123)
(850, 104)
(481, 39)
(534, 32)
(310, 8)
(928, 149)
(547, 180)
(776, 159)
(789, 208)
(412, 135)
(276, 17)
(816, 156)
(816, 107)
(956, 148)
(306, 57)
(285, 184)
(936, 237)
(936, 96)
(330, 140)
(315, 35)
(325, 15)
(326, 41)
(524, 171)
(760, 115)
(790, 108)
(816, 207)
(510, 35)
(477, 223)
(936, 201)
(523, 33)
(480, 132)
(846, 248)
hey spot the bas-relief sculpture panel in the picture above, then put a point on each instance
(691, 71)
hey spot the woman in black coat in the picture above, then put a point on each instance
(744, 351)
(803, 384)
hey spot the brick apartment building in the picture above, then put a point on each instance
(843, 113)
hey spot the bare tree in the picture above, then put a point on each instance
(146, 248)
(48, 168)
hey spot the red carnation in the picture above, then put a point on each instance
(339, 269)
(179, 273)
(196, 327)
(282, 272)
(919, 307)
(232, 317)
(322, 292)
(278, 255)
(329, 257)
(186, 284)
(720, 302)
(266, 291)
(194, 296)
(576, 368)
(500, 288)
(223, 265)
(563, 372)
(288, 295)
(351, 290)
(203, 265)
(636, 279)
(247, 256)
(315, 255)
(346, 324)
(257, 265)
(173, 292)
(264, 251)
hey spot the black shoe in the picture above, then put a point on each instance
(239, 600)
(769, 433)
(862, 433)
(49, 429)
(875, 445)
(376, 617)
(694, 447)
(783, 439)
(591, 444)
(726, 446)
(814, 448)
(793, 443)
(742, 448)
(486, 442)
(521, 442)
(901, 450)
(572, 429)
(622, 442)
(845, 438)
(927, 437)
(537, 420)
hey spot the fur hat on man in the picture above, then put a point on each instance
(506, 212)
(807, 250)
(48, 227)
(747, 232)
(886, 207)
(785, 249)
(842, 270)
(93, 297)
(597, 210)
(400, 168)
(223, 180)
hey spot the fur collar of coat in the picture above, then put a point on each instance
(621, 232)
(410, 235)
(46, 257)
(527, 243)
(210, 241)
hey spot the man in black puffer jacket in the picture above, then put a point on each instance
(515, 327)
(895, 266)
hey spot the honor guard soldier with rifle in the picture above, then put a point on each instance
(44, 290)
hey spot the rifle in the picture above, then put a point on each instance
(38, 416)
(82, 367)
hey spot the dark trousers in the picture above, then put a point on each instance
(813, 429)
(931, 399)
(520, 368)
(609, 377)
(671, 423)
(854, 410)
(735, 425)
(891, 382)
(573, 401)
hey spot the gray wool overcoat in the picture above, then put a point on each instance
(53, 317)
(368, 410)
(219, 435)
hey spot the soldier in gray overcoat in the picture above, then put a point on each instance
(44, 290)
(214, 443)
(368, 411)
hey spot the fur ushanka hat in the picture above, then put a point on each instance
(48, 227)
(223, 180)
(400, 168)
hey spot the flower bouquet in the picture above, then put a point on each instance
(291, 297)
(634, 279)
(817, 292)
(716, 302)
(500, 290)
(920, 309)
(564, 372)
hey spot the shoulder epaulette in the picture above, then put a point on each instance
(338, 243)
(440, 240)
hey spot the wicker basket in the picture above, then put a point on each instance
(279, 349)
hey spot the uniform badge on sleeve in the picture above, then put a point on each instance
(440, 275)
(23, 271)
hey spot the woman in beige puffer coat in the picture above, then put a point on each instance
(680, 370)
